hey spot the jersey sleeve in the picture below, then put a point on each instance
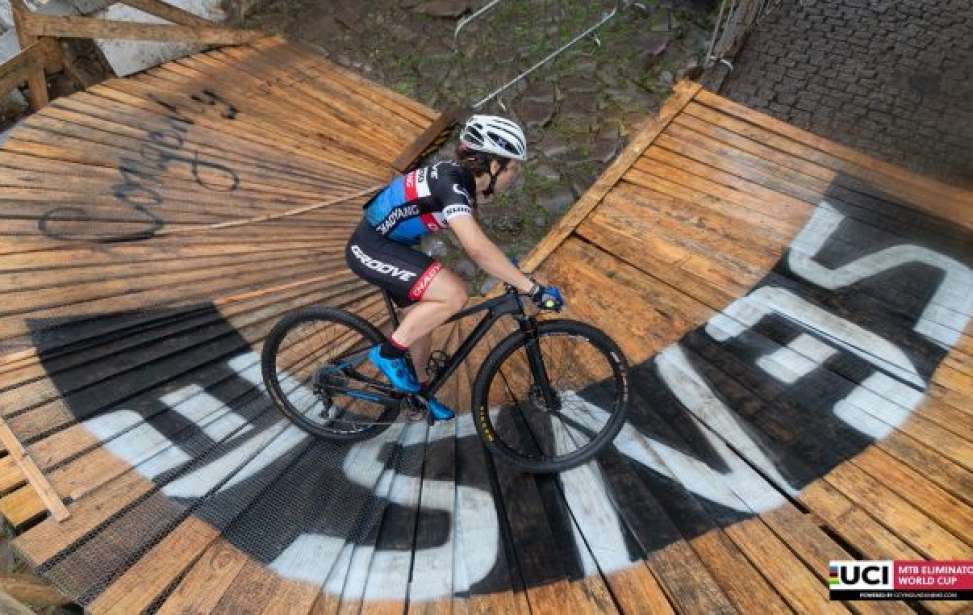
(453, 198)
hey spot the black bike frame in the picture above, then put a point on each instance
(509, 303)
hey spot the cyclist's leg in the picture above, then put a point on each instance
(444, 296)
(414, 281)
(419, 350)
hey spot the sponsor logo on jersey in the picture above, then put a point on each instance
(419, 288)
(456, 209)
(395, 216)
(416, 185)
(384, 268)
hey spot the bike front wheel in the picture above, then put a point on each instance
(551, 403)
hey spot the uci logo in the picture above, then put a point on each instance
(860, 575)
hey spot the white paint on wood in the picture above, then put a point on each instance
(948, 310)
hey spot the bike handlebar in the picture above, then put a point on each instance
(547, 305)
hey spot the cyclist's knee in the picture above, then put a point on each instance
(457, 298)
(449, 289)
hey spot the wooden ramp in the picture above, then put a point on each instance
(797, 316)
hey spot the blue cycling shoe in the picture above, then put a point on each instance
(396, 370)
(439, 411)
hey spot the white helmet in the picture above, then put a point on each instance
(494, 135)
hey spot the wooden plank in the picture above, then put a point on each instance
(411, 154)
(31, 589)
(207, 581)
(361, 84)
(565, 226)
(807, 160)
(146, 96)
(87, 27)
(12, 606)
(298, 77)
(32, 473)
(945, 202)
(149, 576)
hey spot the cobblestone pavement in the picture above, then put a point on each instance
(893, 78)
(578, 110)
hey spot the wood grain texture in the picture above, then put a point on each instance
(795, 315)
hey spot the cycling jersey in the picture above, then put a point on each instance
(422, 201)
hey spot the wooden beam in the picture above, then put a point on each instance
(442, 123)
(31, 589)
(36, 81)
(168, 12)
(32, 473)
(87, 27)
(11, 606)
(37, 57)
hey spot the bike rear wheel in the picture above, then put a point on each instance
(578, 416)
(305, 362)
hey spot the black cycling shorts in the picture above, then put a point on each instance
(404, 272)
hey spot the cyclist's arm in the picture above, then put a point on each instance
(486, 254)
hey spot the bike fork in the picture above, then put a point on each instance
(536, 362)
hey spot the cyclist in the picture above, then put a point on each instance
(429, 199)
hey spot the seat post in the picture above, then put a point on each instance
(392, 311)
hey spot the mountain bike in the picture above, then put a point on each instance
(549, 397)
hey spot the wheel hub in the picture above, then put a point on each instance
(536, 397)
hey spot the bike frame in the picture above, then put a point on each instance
(508, 303)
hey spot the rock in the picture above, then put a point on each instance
(14, 104)
(692, 71)
(546, 172)
(581, 180)
(442, 8)
(557, 200)
(540, 221)
(488, 285)
(435, 247)
(579, 104)
(653, 44)
(436, 70)
(553, 147)
(609, 130)
(540, 92)
(586, 68)
(60, 85)
(609, 76)
(667, 77)
(578, 84)
(346, 14)
(465, 269)
(534, 114)
(604, 150)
